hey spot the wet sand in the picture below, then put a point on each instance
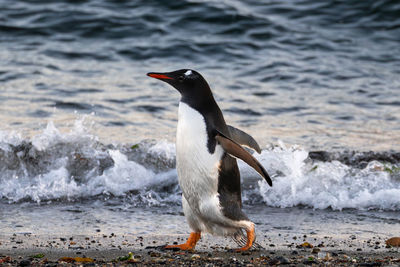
(111, 249)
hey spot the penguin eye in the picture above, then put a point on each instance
(181, 78)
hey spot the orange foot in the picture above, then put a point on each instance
(190, 243)
(251, 236)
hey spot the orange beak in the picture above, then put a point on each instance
(159, 76)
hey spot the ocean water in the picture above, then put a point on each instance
(84, 131)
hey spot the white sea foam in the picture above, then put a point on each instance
(44, 170)
(324, 185)
(67, 166)
(163, 149)
(122, 177)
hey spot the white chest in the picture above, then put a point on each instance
(197, 167)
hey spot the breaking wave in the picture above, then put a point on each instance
(57, 166)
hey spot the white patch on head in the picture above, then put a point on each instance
(187, 73)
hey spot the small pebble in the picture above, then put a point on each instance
(394, 241)
(195, 256)
(316, 250)
(154, 254)
(282, 260)
(25, 263)
(274, 261)
(159, 260)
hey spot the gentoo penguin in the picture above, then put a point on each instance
(206, 152)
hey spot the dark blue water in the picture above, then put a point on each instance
(321, 74)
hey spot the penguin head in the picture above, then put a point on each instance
(188, 82)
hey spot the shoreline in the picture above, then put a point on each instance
(110, 249)
(154, 257)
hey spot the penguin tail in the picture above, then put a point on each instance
(241, 239)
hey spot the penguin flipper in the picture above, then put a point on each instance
(243, 138)
(235, 150)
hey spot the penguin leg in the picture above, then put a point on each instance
(251, 236)
(190, 243)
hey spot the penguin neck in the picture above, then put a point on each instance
(204, 104)
(200, 98)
